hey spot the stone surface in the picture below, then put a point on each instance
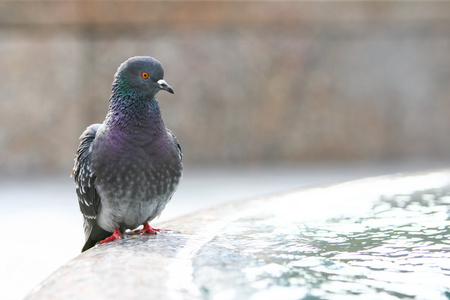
(384, 238)
(40, 202)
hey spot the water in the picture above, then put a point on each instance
(381, 238)
(398, 249)
(33, 206)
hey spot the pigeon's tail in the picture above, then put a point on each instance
(89, 244)
(97, 234)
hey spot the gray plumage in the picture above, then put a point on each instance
(127, 168)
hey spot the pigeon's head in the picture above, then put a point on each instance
(142, 74)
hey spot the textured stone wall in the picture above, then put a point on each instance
(254, 81)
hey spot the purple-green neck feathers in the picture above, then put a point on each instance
(131, 110)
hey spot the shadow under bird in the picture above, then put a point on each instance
(127, 168)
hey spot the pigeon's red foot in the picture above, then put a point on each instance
(115, 236)
(148, 229)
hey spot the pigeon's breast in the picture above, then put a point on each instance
(135, 184)
(138, 181)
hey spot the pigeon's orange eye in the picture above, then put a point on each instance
(144, 75)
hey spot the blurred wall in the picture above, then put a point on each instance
(254, 81)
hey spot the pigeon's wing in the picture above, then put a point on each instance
(180, 153)
(88, 198)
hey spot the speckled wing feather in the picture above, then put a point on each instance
(180, 153)
(84, 177)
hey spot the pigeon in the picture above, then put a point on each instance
(127, 169)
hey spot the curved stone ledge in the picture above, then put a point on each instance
(259, 248)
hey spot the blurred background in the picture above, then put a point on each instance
(269, 96)
(254, 81)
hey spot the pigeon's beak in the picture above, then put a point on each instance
(164, 86)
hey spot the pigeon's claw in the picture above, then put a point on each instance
(115, 236)
(148, 229)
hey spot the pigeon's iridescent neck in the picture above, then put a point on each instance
(132, 113)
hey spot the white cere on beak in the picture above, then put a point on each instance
(164, 86)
